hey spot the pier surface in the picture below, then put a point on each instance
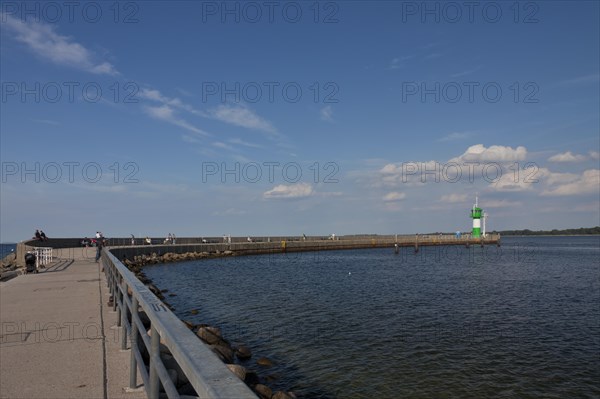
(58, 337)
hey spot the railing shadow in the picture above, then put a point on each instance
(60, 266)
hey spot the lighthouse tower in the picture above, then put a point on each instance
(476, 213)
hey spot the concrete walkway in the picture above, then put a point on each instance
(58, 336)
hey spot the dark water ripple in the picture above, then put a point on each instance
(521, 321)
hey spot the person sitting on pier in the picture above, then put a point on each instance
(38, 236)
(148, 240)
(43, 236)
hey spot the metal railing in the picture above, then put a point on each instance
(43, 256)
(206, 373)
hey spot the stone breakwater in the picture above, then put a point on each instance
(238, 357)
(9, 267)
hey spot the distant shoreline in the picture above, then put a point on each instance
(549, 235)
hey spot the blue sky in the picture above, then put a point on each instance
(243, 118)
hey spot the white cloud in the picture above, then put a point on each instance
(587, 183)
(327, 113)
(494, 153)
(44, 42)
(567, 157)
(394, 197)
(166, 113)
(241, 116)
(595, 155)
(292, 191)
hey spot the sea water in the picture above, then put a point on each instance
(520, 320)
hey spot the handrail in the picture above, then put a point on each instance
(208, 375)
(43, 256)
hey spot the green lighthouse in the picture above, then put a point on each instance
(476, 213)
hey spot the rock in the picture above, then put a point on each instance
(207, 335)
(263, 361)
(251, 378)
(172, 375)
(263, 391)
(225, 353)
(5, 276)
(239, 371)
(243, 352)
(144, 319)
(163, 349)
(170, 363)
(215, 330)
(187, 389)
(189, 324)
(272, 377)
(281, 395)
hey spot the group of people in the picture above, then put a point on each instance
(40, 235)
(170, 239)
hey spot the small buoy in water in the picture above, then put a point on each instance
(349, 273)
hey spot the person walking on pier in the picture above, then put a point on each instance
(99, 246)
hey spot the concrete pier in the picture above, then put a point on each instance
(58, 337)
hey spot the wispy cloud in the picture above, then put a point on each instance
(502, 203)
(241, 116)
(456, 136)
(230, 212)
(466, 72)
(47, 44)
(292, 191)
(454, 198)
(224, 146)
(585, 79)
(167, 114)
(243, 143)
(432, 56)
(47, 122)
(157, 96)
(327, 113)
(394, 196)
(399, 62)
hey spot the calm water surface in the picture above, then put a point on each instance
(522, 320)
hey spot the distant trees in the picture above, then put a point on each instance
(553, 232)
